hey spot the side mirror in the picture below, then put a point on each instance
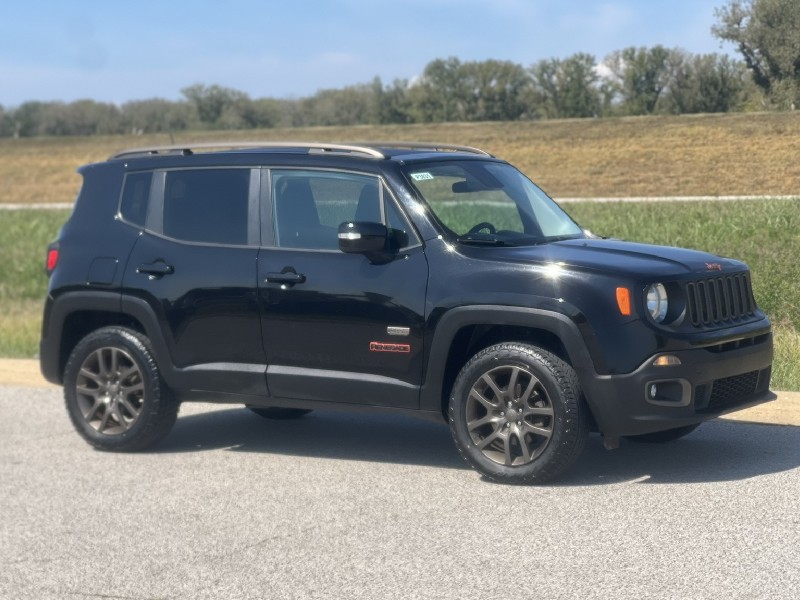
(369, 239)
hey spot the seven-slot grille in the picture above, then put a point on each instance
(720, 299)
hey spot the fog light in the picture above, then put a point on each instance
(668, 392)
(666, 360)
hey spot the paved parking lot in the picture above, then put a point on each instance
(354, 506)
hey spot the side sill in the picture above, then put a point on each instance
(262, 402)
(341, 387)
(225, 378)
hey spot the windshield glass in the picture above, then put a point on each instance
(490, 203)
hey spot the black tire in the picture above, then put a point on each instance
(662, 437)
(517, 415)
(114, 393)
(276, 412)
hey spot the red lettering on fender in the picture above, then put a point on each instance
(386, 347)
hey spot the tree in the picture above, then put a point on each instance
(438, 96)
(211, 101)
(493, 90)
(767, 35)
(157, 116)
(352, 105)
(82, 117)
(395, 104)
(640, 76)
(5, 123)
(704, 83)
(567, 88)
(26, 119)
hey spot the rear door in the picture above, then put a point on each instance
(195, 266)
(336, 327)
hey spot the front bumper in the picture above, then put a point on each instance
(707, 383)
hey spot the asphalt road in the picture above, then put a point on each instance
(355, 506)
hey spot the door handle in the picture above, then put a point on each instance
(288, 277)
(155, 270)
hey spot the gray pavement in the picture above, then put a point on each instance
(356, 506)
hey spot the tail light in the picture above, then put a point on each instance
(52, 258)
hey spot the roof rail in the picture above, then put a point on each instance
(368, 149)
(436, 147)
(187, 149)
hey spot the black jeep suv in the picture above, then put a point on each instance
(431, 279)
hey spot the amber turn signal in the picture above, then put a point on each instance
(624, 301)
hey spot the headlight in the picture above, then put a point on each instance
(657, 302)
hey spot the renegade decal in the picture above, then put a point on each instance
(388, 347)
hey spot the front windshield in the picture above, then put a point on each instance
(482, 202)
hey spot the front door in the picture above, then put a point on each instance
(336, 327)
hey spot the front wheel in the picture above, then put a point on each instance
(114, 393)
(517, 415)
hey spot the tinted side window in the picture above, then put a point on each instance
(207, 205)
(135, 193)
(310, 206)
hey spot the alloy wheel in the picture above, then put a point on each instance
(110, 390)
(509, 415)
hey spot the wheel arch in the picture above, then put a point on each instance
(464, 331)
(74, 315)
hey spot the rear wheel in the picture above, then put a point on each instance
(662, 437)
(114, 394)
(516, 414)
(275, 412)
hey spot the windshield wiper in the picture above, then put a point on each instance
(483, 241)
(563, 238)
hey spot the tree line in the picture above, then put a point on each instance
(632, 81)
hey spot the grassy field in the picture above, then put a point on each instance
(23, 283)
(762, 233)
(737, 154)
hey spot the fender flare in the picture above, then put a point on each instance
(58, 310)
(562, 326)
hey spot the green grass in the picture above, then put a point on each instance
(23, 283)
(786, 368)
(762, 233)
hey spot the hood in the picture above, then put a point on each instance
(623, 258)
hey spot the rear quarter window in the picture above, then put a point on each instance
(135, 195)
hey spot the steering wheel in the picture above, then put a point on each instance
(483, 225)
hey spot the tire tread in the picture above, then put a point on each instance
(576, 417)
(161, 409)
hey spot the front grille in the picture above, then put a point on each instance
(720, 300)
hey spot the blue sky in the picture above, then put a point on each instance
(116, 51)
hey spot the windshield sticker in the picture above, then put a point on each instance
(421, 176)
